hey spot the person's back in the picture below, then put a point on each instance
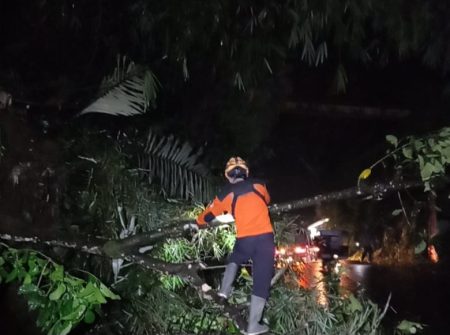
(246, 199)
(247, 202)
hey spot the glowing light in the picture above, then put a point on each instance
(299, 250)
(318, 223)
(337, 267)
(432, 254)
(281, 251)
(313, 227)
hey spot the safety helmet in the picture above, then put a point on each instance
(236, 166)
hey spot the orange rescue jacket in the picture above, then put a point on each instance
(247, 201)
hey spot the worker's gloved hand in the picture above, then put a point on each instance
(191, 227)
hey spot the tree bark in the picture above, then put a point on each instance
(378, 191)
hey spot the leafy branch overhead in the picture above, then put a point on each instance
(426, 156)
(129, 90)
(244, 42)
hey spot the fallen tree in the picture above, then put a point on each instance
(130, 249)
(377, 191)
(134, 248)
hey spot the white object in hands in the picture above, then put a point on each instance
(224, 218)
(206, 287)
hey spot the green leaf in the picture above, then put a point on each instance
(97, 298)
(418, 144)
(61, 328)
(409, 327)
(87, 291)
(92, 294)
(73, 281)
(28, 288)
(427, 171)
(355, 305)
(66, 329)
(57, 274)
(27, 279)
(419, 248)
(446, 153)
(89, 317)
(108, 293)
(438, 167)
(56, 294)
(407, 152)
(392, 140)
(33, 266)
(21, 273)
(396, 212)
(421, 161)
(74, 314)
(11, 276)
(36, 300)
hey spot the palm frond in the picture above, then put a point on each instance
(129, 90)
(175, 165)
(341, 79)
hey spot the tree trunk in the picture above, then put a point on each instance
(344, 111)
(377, 191)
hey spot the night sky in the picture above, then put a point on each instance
(54, 55)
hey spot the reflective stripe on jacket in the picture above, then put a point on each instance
(247, 201)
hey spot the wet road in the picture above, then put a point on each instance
(420, 293)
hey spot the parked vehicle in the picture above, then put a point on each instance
(332, 244)
(302, 251)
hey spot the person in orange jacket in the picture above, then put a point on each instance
(247, 200)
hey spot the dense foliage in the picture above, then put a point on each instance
(60, 299)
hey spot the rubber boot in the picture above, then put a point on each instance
(227, 280)
(256, 310)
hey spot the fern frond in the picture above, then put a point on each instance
(175, 165)
(341, 79)
(129, 90)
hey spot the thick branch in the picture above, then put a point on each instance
(360, 112)
(88, 248)
(122, 249)
(377, 190)
(188, 271)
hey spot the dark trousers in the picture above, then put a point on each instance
(261, 250)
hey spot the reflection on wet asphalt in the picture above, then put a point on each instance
(420, 293)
